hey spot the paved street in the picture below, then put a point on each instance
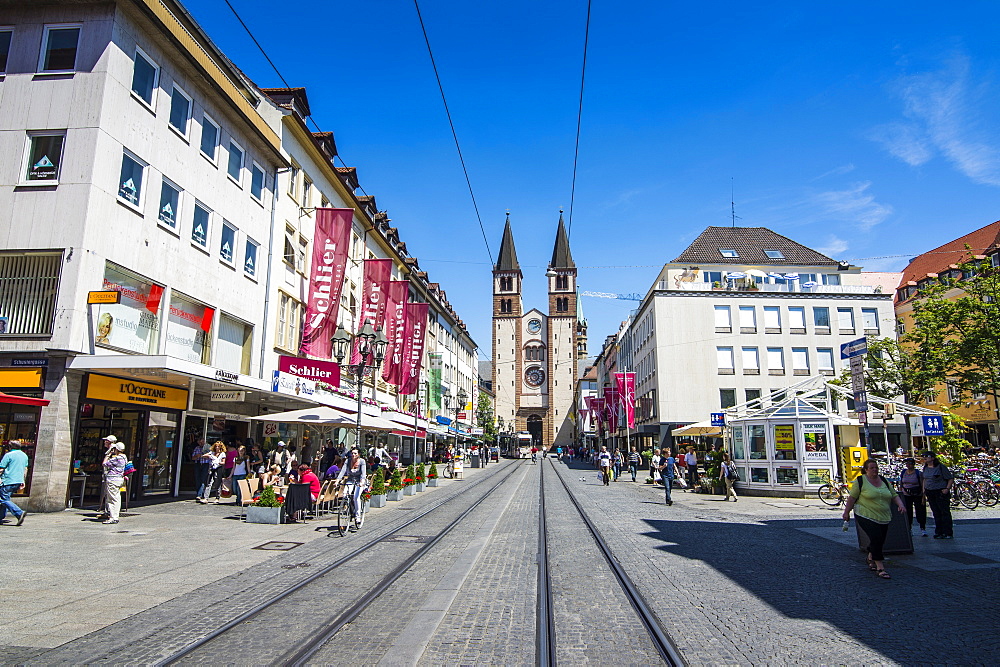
(764, 580)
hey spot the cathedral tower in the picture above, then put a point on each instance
(562, 338)
(506, 329)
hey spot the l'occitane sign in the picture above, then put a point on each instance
(120, 390)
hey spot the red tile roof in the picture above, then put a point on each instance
(941, 258)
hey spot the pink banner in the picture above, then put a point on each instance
(625, 386)
(312, 369)
(414, 334)
(611, 406)
(597, 406)
(374, 286)
(395, 325)
(331, 242)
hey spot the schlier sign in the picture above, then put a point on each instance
(311, 369)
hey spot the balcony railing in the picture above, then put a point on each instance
(766, 288)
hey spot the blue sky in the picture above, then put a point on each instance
(867, 131)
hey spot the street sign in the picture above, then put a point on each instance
(104, 296)
(933, 425)
(861, 401)
(863, 420)
(855, 348)
(718, 419)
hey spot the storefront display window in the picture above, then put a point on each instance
(133, 323)
(738, 450)
(759, 475)
(20, 422)
(786, 476)
(757, 441)
(188, 330)
(784, 442)
(817, 476)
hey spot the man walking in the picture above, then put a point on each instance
(14, 463)
(604, 461)
(633, 462)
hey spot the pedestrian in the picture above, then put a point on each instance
(256, 464)
(534, 454)
(938, 481)
(14, 464)
(728, 474)
(872, 497)
(604, 462)
(114, 478)
(232, 451)
(200, 465)
(692, 466)
(216, 472)
(281, 458)
(634, 460)
(240, 472)
(911, 484)
(668, 470)
(617, 461)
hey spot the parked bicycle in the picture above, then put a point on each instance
(834, 493)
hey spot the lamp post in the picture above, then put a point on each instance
(371, 342)
(459, 406)
(501, 445)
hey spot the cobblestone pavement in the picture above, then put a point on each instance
(750, 583)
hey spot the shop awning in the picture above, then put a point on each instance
(23, 400)
(698, 428)
(328, 416)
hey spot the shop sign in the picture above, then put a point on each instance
(292, 385)
(118, 390)
(29, 361)
(477, 431)
(104, 296)
(229, 396)
(311, 369)
(219, 423)
(130, 322)
(23, 417)
(784, 437)
(21, 378)
(270, 429)
(226, 375)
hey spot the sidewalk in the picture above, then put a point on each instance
(70, 574)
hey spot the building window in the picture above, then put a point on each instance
(288, 252)
(200, 225)
(180, 111)
(130, 182)
(293, 181)
(751, 361)
(5, 35)
(300, 257)
(824, 360)
(257, 182)
(235, 168)
(506, 284)
(250, 260)
(145, 76)
(170, 200)
(712, 277)
(562, 305)
(235, 345)
(723, 319)
(562, 282)
(748, 319)
(209, 139)
(831, 279)
(774, 254)
(753, 395)
(59, 48)
(189, 330)
(797, 319)
(775, 361)
(289, 321)
(307, 190)
(727, 398)
(729, 253)
(821, 319)
(772, 319)
(800, 361)
(869, 317)
(44, 157)
(954, 392)
(845, 320)
(505, 306)
(28, 286)
(227, 242)
(724, 360)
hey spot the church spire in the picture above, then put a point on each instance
(561, 256)
(507, 260)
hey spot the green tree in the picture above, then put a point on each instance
(484, 417)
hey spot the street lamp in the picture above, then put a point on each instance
(459, 406)
(370, 342)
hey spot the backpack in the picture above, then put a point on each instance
(732, 473)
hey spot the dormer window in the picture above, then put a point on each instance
(774, 254)
(729, 253)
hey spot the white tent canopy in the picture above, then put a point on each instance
(327, 416)
(698, 428)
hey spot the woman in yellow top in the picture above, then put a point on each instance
(871, 498)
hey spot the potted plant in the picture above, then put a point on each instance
(268, 508)
(420, 477)
(395, 486)
(716, 285)
(409, 481)
(377, 491)
(713, 469)
(432, 475)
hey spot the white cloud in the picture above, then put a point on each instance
(834, 246)
(855, 205)
(944, 114)
(836, 171)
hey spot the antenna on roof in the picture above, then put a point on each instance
(732, 200)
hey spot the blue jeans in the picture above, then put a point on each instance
(200, 478)
(667, 483)
(6, 490)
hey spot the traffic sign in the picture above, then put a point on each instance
(854, 348)
(933, 425)
(861, 401)
(718, 419)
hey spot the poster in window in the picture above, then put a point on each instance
(188, 325)
(738, 450)
(784, 436)
(132, 324)
(43, 161)
(817, 475)
(816, 442)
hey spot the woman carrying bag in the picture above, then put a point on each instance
(872, 498)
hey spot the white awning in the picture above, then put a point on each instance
(698, 428)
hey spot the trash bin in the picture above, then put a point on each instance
(897, 541)
(476, 461)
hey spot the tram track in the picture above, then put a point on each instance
(308, 646)
(547, 647)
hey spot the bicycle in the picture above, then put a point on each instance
(833, 493)
(346, 514)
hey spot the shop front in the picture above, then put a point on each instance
(21, 405)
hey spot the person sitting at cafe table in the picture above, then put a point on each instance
(271, 477)
(307, 476)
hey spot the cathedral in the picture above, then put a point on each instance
(535, 353)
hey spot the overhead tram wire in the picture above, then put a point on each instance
(451, 123)
(579, 121)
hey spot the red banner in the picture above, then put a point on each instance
(153, 300)
(395, 325)
(374, 286)
(331, 242)
(626, 395)
(414, 334)
(597, 407)
(611, 407)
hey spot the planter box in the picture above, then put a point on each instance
(378, 500)
(409, 490)
(394, 495)
(432, 482)
(420, 487)
(265, 514)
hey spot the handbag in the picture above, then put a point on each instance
(227, 488)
